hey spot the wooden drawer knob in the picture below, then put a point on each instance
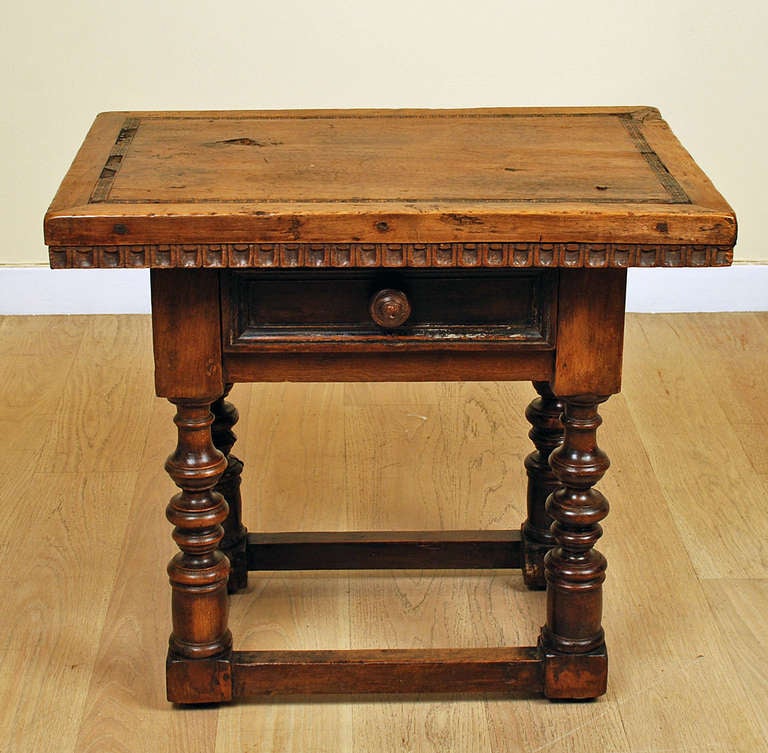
(390, 308)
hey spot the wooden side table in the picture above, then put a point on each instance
(376, 246)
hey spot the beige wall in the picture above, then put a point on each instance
(703, 64)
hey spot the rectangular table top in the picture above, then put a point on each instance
(488, 187)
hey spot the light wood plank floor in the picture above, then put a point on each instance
(84, 542)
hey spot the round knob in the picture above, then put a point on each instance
(390, 308)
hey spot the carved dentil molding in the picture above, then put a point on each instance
(362, 255)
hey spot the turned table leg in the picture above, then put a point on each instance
(200, 644)
(233, 544)
(572, 641)
(547, 433)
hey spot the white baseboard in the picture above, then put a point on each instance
(38, 290)
(742, 287)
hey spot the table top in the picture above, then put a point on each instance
(600, 187)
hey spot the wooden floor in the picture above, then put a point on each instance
(84, 542)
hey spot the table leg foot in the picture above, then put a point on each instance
(575, 676)
(546, 433)
(199, 680)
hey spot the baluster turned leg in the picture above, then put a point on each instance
(573, 640)
(233, 544)
(197, 668)
(547, 434)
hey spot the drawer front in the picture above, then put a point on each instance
(360, 310)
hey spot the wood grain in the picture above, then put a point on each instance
(82, 434)
(33, 392)
(382, 550)
(684, 421)
(740, 607)
(292, 441)
(477, 671)
(53, 620)
(686, 654)
(589, 357)
(125, 707)
(383, 176)
(670, 649)
(186, 339)
(392, 367)
(736, 339)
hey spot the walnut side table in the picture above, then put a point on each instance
(388, 245)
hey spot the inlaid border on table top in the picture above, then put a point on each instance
(121, 148)
(366, 255)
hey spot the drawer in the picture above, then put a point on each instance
(361, 310)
